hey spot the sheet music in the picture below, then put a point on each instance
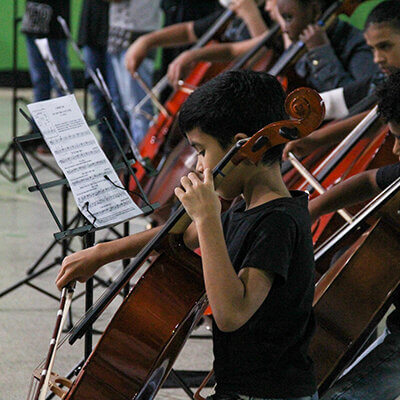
(83, 162)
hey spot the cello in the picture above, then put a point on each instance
(355, 292)
(139, 346)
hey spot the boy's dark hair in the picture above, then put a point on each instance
(389, 95)
(385, 12)
(235, 102)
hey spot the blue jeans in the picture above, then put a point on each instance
(42, 81)
(131, 93)
(375, 377)
(99, 58)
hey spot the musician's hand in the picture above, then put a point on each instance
(179, 67)
(79, 266)
(314, 36)
(244, 8)
(300, 147)
(135, 54)
(199, 197)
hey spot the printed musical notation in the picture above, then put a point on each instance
(83, 162)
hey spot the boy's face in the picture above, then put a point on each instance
(385, 43)
(209, 153)
(395, 131)
(296, 17)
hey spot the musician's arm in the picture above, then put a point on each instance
(354, 190)
(326, 136)
(251, 15)
(83, 264)
(219, 52)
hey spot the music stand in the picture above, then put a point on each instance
(72, 228)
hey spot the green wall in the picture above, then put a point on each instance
(6, 26)
(6, 35)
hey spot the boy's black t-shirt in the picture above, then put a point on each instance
(384, 177)
(267, 357)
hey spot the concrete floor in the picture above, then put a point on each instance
(27, 316)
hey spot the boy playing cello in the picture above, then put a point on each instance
(257, 258)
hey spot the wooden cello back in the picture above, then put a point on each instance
(354, 294)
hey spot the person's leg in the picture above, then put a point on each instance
(95, 58)
(140, 123)
(39, 72)
(116, 98)
(58, 48)
(131, 93)
(377, 376)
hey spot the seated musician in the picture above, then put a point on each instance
(335, 57)
(382, 34)
(257, 258)
(249, 21)
(377, 376)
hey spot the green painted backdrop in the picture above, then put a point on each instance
(6, 27)
(6, 34)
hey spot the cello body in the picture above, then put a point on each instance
(136, 352)
(354, 294)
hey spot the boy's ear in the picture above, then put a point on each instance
(239, 136)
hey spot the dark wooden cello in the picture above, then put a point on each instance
(139, 346)
(354, 294)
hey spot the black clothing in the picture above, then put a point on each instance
(384, 177)
(93, 28)
(177, 11)
(360, 96)
(267, 356)
(40, 18)
(236, 30)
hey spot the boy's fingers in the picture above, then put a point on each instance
(208, 176)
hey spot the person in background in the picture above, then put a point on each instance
(40, 21)
(249, 21)
(382, 33)
(128, 20)
(92, 38)
(377, 374)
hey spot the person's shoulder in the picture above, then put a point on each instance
(387, 174)
(288, 210)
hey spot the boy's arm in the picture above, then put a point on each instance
(354, 190)
(83, 264)
(328, 135)
(248, 11)
(175, 35)
(233, 298)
